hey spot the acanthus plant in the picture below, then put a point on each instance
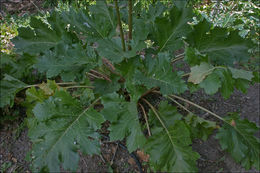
(95, 64)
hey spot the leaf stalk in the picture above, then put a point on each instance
(146, 119)
(158, 117)
(120, 25)
(130, 22)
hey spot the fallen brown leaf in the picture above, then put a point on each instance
(142, 156)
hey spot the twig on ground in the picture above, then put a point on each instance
(111, 162)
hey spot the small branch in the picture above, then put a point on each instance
(146, 119)
(120, 25)
(198, 106)
(130, 22)
(180, 105)
(158, 117)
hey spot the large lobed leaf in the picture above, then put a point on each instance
(218, 44)
(99, 25)
(169, 148)
(9, 86)
(124, 121)
(62, 127)
(68, 62)
(41, 36)
(212, 79)
(169, 30)
(237, 137)
(163, 77)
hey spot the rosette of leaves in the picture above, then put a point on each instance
(101, 81)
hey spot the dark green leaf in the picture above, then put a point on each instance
(42, 37)
(64, 126)
(171, 152)
(163, 77)
(67, 62)
(221, 47)
(169, 115)
(238, 139)
(170, 29)
(102, 86)
(9, 86)
(199, 127)
(124, 121)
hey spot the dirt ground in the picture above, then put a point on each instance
(14, 148)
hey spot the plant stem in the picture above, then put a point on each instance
(178, 57)
(130, 22)
(120, 25)
(186, 74)
(183, 107)
(148, 91)
(146, 119)
(37, 85)
(158, 117)
(198, 106)
(79, 86)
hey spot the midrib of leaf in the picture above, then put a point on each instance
(173, 31)
(244, 138)
(167, 40)
(61, 136)
(110, 19)
(221, 48)
(44, 42)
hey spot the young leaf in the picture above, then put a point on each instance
(199, 72)
(67, 62)
(34, 96)
(211, 84)
(9, 86)
(163, 77)
(64, 126)
(238, 139)
(242, 74)
(171, 152)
